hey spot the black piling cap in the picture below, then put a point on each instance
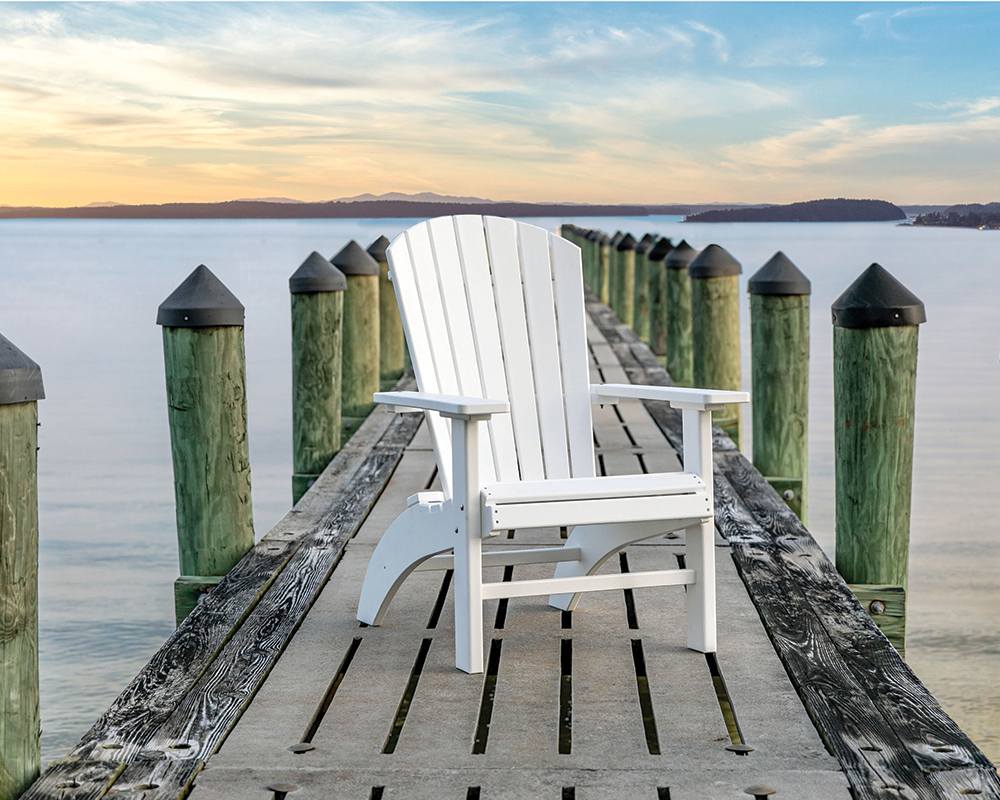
(617, 238)
(20, 377)
(592, 235)
(659, 250)
(377, 249)
(779, 276)
(316, 274)
(603, 239)
(681, 256)
(627, 243)
(713, 262)
(201, 301)
(877, 300)
(645, 244)
(352, 260)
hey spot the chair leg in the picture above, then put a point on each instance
(700, 557)
(469, 603)
(415, 536)
(597, 544)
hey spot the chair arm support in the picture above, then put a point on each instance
(678, 397)
(447, 405)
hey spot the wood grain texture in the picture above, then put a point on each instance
(20, 724)
(207, 410)
(197, 685)
(715, 341)
(677, 326)
(317, 346)
(869, 707)
(360, 369)
(874, 389)
(390, 328)
(603, 289)
(779, 347)
(640, 304)
(657, 292)
(626, 286)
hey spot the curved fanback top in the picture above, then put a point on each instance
(494, 308)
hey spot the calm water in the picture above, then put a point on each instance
(80, 297)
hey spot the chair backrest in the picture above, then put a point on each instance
(494, 308)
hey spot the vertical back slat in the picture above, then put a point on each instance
(501, 237)
(539, 305)
(571, 317)
(492, 369)
(436, 349)
(451, 281)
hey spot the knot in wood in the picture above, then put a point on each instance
(12, 616)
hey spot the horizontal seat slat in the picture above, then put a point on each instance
(611, 486)
(677, 511)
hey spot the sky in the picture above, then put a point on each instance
(646, 102)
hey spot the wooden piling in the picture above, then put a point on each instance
(616, 273)
(317, 296)
(640, 305)
(779, 346)
(656, 279)
(390, 324)
(603, 290)
(20, 724)
(874, 383)
(677, 314)
(715, 330)
(592, 260)
(626, 282)
(205, 369)
(361, 332)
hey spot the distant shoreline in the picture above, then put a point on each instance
(368, 209)
(830, 210)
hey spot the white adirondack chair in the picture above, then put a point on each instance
(494, 317)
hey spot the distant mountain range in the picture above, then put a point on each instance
(393, 205)
(830, 210)
(397, 205)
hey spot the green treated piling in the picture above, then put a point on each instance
(715, 330)
(640, 305)
(20, 724)
(361, 331)
(779, 347)
(677, 314)
(656, 277)
(205, 369)
(390, 324)
(874, 390)
(317, 296)
(592, 260)
(616, 272)
(626, 284)
(603, 290)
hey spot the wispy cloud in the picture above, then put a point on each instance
(720, 45)
(874, 23)
(962, 108)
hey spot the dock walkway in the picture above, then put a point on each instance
(271, 689)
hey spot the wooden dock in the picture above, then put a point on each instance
(270, 689)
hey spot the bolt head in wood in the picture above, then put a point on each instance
(739, 749)
(713, 262)
(877, 300)
(282, 787)
(20, 377)
(779, 276)
(301, 747)
(352, 260)
(201, 301)
(316, 274)
(759, 791)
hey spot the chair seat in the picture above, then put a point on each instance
(569, 502)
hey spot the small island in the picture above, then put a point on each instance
(985, 217)
(838, 210)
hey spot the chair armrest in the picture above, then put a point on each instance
(678, 397)
(447, 405)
